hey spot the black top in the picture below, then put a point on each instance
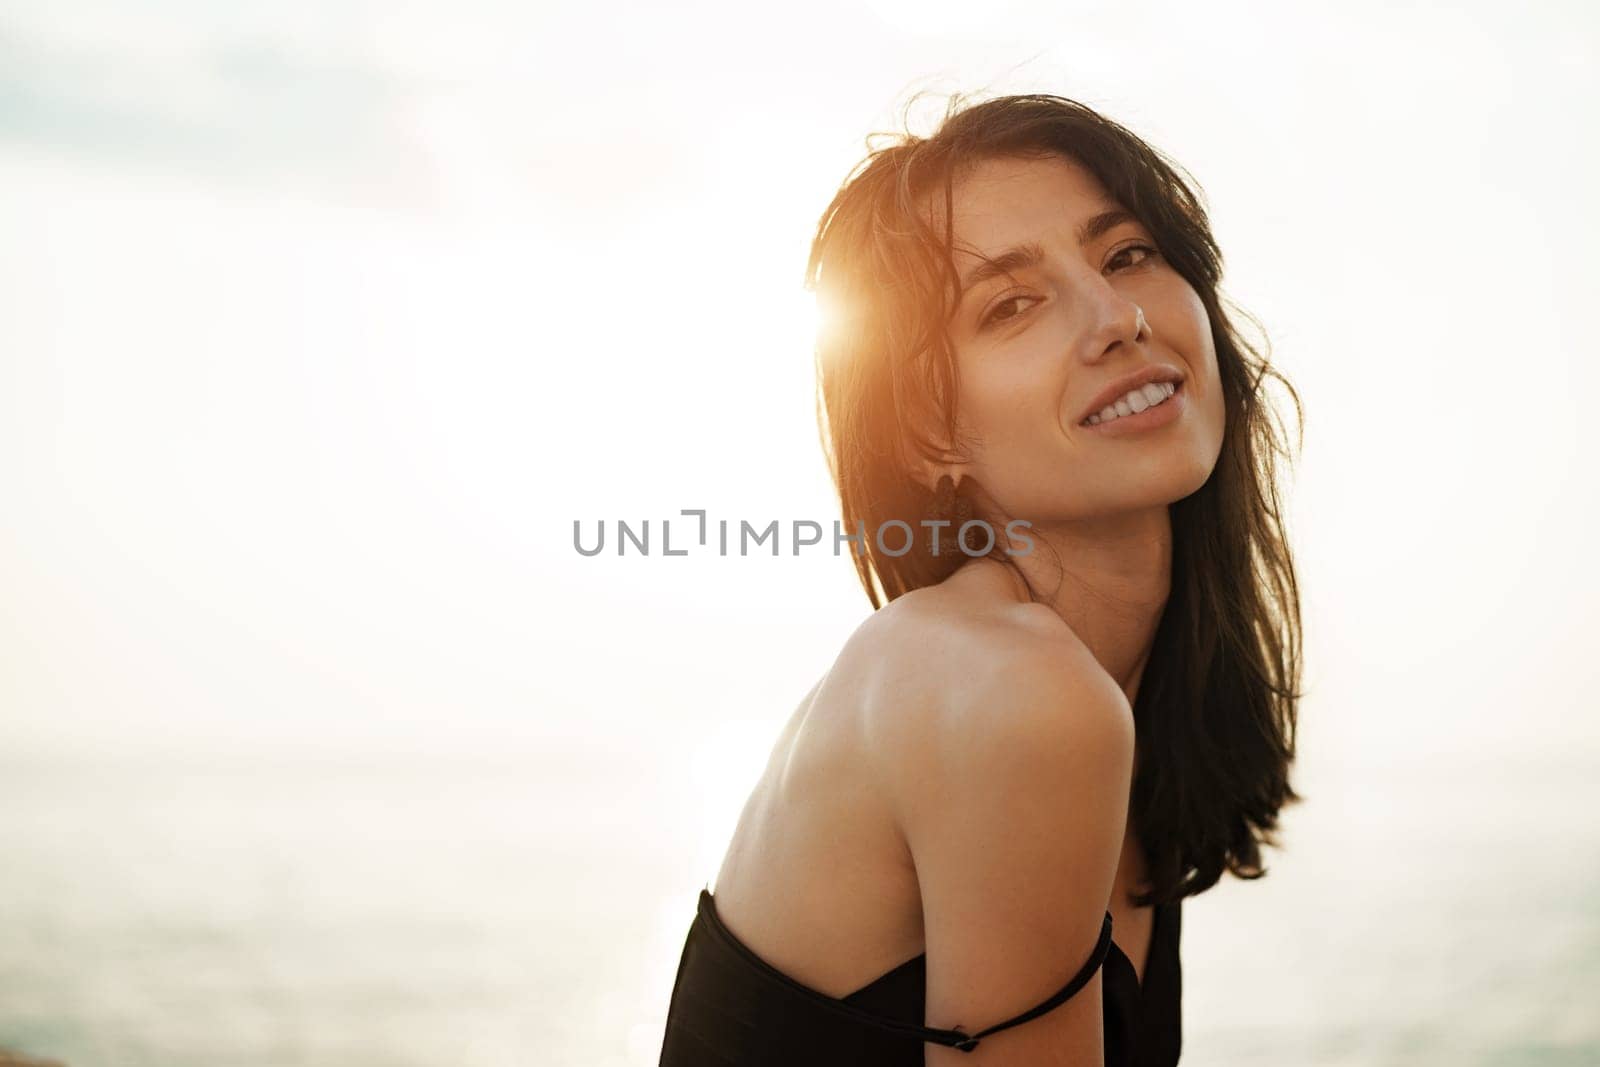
(730, 1008)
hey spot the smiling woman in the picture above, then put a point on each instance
(976, 831)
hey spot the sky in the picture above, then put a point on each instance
(323, 323)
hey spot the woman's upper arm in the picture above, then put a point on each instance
(1015, 825)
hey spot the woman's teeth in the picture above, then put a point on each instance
(1134, 401)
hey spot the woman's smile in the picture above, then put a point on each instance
(1137, 412)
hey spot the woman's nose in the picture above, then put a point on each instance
(1113, 321)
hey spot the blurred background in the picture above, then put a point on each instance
(321, 324)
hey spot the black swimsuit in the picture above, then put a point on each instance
(730, 1008)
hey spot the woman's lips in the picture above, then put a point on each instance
(1169, 410)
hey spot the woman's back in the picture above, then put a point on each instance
(821, 880)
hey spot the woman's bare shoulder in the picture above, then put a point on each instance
(941, 670)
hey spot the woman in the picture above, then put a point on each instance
(975, 833)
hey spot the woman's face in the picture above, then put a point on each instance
(1037, 351)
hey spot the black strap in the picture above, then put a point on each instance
(952, 1038)
(1079, 980)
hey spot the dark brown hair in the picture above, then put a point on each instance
(1216, 708)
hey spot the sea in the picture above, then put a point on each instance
(510, 911)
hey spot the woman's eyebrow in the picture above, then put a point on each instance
(1031, 253)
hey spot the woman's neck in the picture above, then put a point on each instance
(1111, 584)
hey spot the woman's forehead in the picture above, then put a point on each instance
(1000, 201)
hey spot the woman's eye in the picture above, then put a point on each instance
(1121, 253)
(993, 318)
(1127, 257)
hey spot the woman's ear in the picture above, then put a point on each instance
(926, 470)
(927, 473)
